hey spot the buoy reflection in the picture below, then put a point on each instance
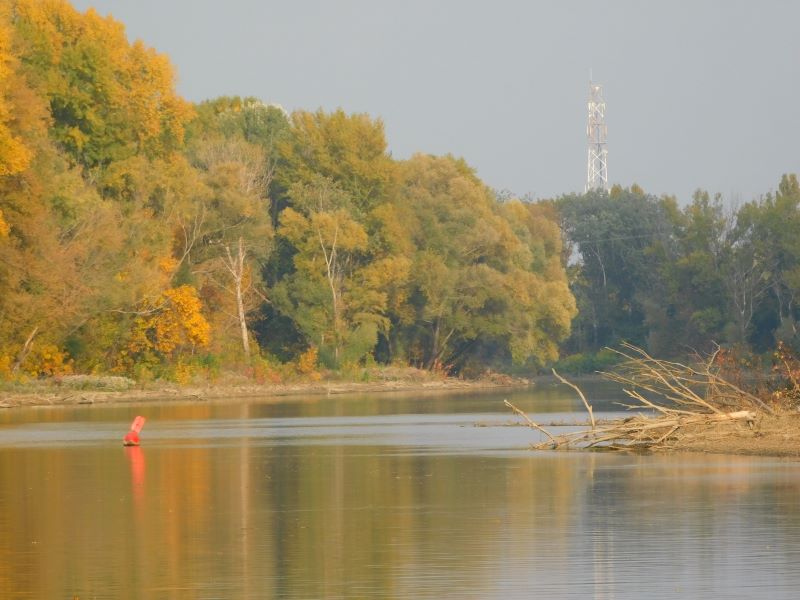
(135, 456)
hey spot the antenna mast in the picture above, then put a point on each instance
(596, 131)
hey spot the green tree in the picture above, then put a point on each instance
(764, 281)
(347, 149)
(336, 294)
(687, 311)
(248, 119)
(622, 238)
(478, 287)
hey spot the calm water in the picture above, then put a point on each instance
(381, 497)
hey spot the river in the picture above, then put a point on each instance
(378, 497)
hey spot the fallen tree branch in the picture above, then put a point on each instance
(580, 393)
(682, 384)
(682, 401)
(530, 422)
(642, 432)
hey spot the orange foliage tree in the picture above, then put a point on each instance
(174, 327)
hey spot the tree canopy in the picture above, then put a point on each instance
(681, 280)
(142, 234)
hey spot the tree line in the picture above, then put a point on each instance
(146, 235)
(680, 280)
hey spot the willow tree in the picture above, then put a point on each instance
(348, 149)
(486, 280)
(337, 273)
(234, 143)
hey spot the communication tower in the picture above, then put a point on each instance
(596, 131)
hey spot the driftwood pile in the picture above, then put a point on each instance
(676, 402)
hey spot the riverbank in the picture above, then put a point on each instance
(687, 408)
(64, 393)
(777, 436)
(768, 436)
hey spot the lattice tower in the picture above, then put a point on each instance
(596, 131)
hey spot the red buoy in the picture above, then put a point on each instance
(132, 437)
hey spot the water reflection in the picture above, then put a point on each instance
(397, 516)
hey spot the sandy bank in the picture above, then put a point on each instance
(768, 435)
(53, 395)
(777, 436)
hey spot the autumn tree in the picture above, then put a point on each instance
(60, 253)
(486, 279)
(62, 262)
(109, 99)
(335, 294)
(15, 155)
(83, 243)
(172, 327)
(347, 149)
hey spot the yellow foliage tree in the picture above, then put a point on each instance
(47, 359)
(307, 364)
(175, 325)
(14, 154)
(109, 99)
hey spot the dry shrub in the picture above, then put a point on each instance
(308, 362)
(47, 360)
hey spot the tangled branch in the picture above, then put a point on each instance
(677, 400)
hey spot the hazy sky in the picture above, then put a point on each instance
(699, 93)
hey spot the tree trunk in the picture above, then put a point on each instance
(332, 271)
(242, 320)
(26, 348)
(235, 265)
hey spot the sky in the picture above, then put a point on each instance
(700, 93)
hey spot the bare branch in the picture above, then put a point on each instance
(531, 422)
(580, 393)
